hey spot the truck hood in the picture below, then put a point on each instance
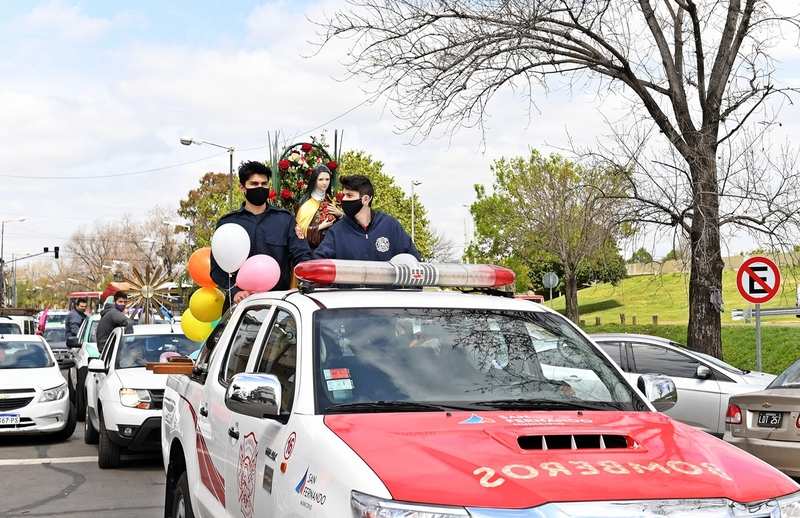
(43, 379)
(496, 460)
(141, 378)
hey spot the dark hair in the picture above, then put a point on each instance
(360, 183)
(81, 301)
(120, 295)
(248, 169)
(312, 182)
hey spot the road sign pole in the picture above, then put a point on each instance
(758, 337)
(551, 297)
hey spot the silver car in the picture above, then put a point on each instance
(704, 383)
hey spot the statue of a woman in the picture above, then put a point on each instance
(317, 211)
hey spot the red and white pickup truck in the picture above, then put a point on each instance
(406, 403)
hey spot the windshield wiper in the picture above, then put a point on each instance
(549, 404)
(398, 406)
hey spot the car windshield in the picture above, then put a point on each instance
(56, 318)
(9, 328)
(138, 350)
(469, 358)
(716, 362)
(790, 378)
(55, 335)
(24, 355)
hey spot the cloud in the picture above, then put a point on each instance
(56, 18)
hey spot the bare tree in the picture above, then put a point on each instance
(699, 69)
(443, 249)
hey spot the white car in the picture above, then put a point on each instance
(123, 399)
(704, 383)
(33, 395)
(86, 350)
(25, 325)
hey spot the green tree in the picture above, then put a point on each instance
(641, 256)
(391, 198)
(204, 205)
(541, 213)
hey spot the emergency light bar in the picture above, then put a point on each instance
(376, 273)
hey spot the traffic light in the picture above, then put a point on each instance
(55, 251)
(46, 249)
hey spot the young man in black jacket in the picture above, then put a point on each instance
(364, 234)
(112, 317)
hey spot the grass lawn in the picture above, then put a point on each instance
(668, 297)
(780, 345)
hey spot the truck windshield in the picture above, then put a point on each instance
(465, 358)
(138, 350)
(24, 355)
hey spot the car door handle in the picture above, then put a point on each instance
(204, 411)
(233, 431)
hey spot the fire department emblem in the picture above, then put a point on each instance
(246, 473)
(382, 244)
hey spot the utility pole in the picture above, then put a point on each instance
(2, 257)
(414, 184)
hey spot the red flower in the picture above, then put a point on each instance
(286, 194)
(309, 172)
(301, 184)
(283, 165)
(306, 147)
(339, 196)
(332, 165)
(272, 194)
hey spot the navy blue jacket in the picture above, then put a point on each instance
(382, 240)
(271, 233)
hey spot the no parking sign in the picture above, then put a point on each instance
(758, 280)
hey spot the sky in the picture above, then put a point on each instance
(102, 88)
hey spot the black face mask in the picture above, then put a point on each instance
(352, 207)
(257, 195)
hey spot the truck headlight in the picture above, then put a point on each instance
(135, 398)
(54, 394)
(366, 506)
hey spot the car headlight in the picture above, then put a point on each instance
(366, 506)
(54, 394)
(135, 398)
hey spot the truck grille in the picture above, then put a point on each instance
(14, 403)
(575, 442)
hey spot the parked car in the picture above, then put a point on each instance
(704, 383)
(84, 349)
(33, 395)
(123, 399)
(413, 403)
(767, 423)
(26, 324)
(9, 326)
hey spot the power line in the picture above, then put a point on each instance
(112, 175)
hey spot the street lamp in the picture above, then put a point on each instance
(229, 149)
(2, 257)
(414, 184)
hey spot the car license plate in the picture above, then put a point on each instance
(770, 419)
(9, 419)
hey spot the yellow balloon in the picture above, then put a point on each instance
(194, 329)
(206, 304)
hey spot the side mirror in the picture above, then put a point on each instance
(702, 372)
(254, 395)
(97, 365)
(67, 364)
(659, 390)
(73, 343)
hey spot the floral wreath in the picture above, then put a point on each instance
(295, 167)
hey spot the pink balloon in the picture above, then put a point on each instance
(258, 273)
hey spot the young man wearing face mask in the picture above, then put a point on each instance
(271, 231)
(364, 234)
(112, 317)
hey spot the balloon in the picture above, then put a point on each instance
(194, 330)
(230, 246)
(200, 267)
(404, 259)
(206, 304)
(259, 273)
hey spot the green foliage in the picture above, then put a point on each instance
(203, 206)
(673, 255)
(390, 197)
(641, 256)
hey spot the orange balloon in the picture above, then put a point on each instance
(200, 267)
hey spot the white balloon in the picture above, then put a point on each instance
(404, 259)
(230, 246)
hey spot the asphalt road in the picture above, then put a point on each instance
(40, 477)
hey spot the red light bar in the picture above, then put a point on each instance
(375, 273)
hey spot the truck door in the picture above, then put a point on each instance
(214, 418)
(262, 443)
